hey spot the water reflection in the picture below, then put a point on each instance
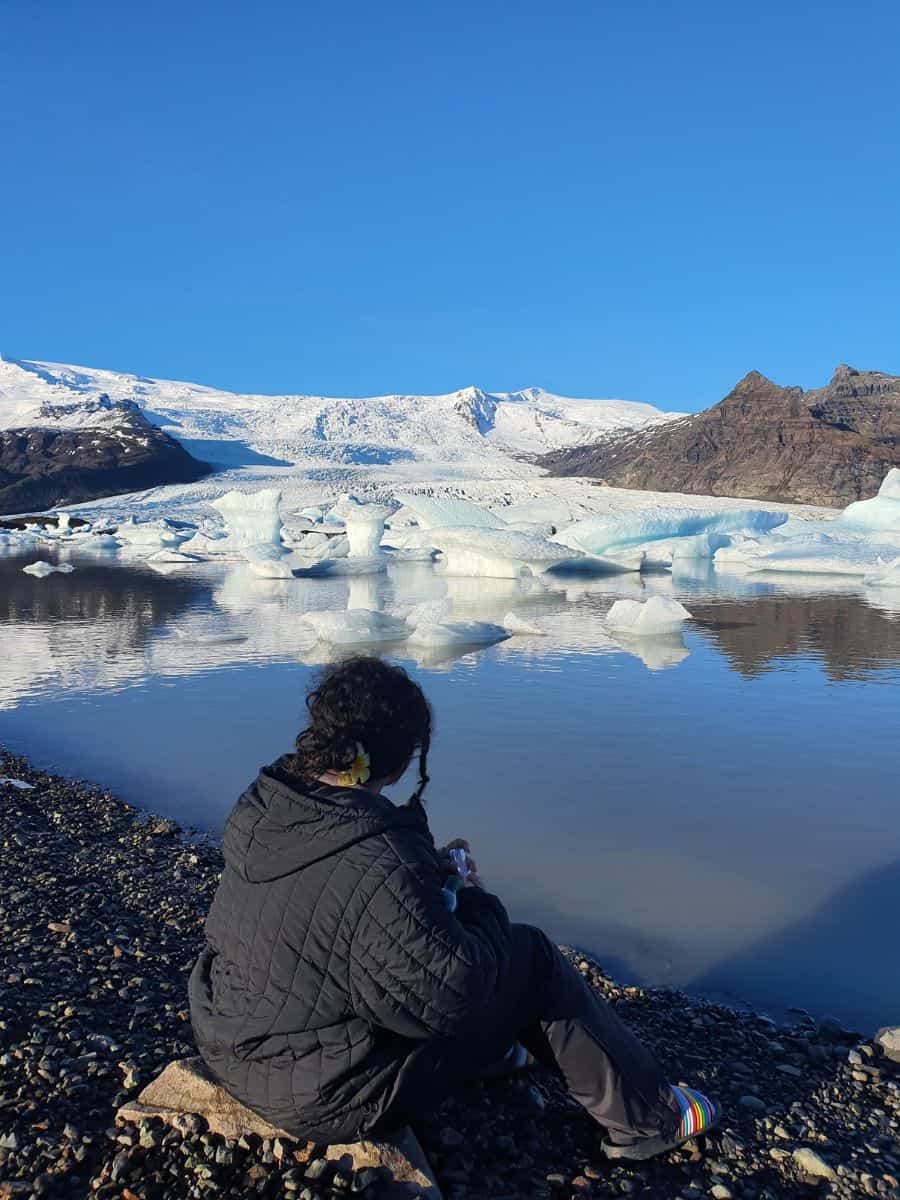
(602, 780)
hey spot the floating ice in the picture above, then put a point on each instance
(150, 535)
(314, 569)
(312, 512)
(410, 537)
(20, 784)
(888, 576)
(815, 554)
(356, 626)
(100, 541)
(319, 546)
(552, 511)
(364, 525)
(445, 512)
(515, 624)
(457, 633)
(498, 553)
(882, 511)
(250, 518)
(63, 522)
(269, 561)
(41, 569)
(600, 535)
(659, 615)
(174, 557)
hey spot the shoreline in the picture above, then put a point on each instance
(101, 916)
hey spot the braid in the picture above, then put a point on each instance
(424, 747)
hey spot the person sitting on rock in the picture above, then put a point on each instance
(340, 995)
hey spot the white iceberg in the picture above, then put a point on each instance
(457, 633)
(269, 561)
(172, 557)
(816, 554)
(515, 624)
(319, 546)
(881, 512)
(601, 535)
(41, 569)
(551, 511)
(887, 576)
(356, 626)
(497, 553)
(445, 512)
(150, 535)
(363, 525)
(250, 518)
(658, 615)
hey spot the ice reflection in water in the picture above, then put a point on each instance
(726, 818)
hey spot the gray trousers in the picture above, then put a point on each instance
(545, 1004)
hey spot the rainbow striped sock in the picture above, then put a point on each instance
(697, 1112)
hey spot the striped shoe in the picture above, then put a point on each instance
(699, 1115)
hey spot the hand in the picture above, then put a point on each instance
(474, 880)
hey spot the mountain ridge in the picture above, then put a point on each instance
(466, 430)
(826, 446)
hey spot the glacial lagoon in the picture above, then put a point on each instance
(716, 810)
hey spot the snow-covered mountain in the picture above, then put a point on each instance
(469, 430)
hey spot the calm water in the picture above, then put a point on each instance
(718, 811)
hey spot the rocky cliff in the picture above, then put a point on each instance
(116, 450)
(762, 442)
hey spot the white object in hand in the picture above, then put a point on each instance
(460, 863)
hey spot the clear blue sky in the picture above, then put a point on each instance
(635, 199)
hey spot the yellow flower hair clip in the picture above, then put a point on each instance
(358, 772)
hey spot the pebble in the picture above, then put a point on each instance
(94, 955)
(808, 1162)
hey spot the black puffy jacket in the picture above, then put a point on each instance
(331, 955)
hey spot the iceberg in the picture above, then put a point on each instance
(497, 553)
(41, 569)
(356, 626)
(888, 576)
(815, 554)
(659, 615)
(150, 535)
(319, 545)
(447, 512)
(457, 633)
(881, 512)
(515, 624)
(250, 518)
(363, 525)
(173, 557)
(558, 513)
(269, 561)
(600, 535)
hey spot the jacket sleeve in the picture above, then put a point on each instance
(418, 969)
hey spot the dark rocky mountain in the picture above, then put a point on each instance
(828, 446)
(115, 449)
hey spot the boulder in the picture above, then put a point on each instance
(889, 1041)
(186, 1087)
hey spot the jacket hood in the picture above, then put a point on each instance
(282, 824)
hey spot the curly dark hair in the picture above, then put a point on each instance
(374, 703)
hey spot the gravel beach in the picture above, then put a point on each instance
(101, 916)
